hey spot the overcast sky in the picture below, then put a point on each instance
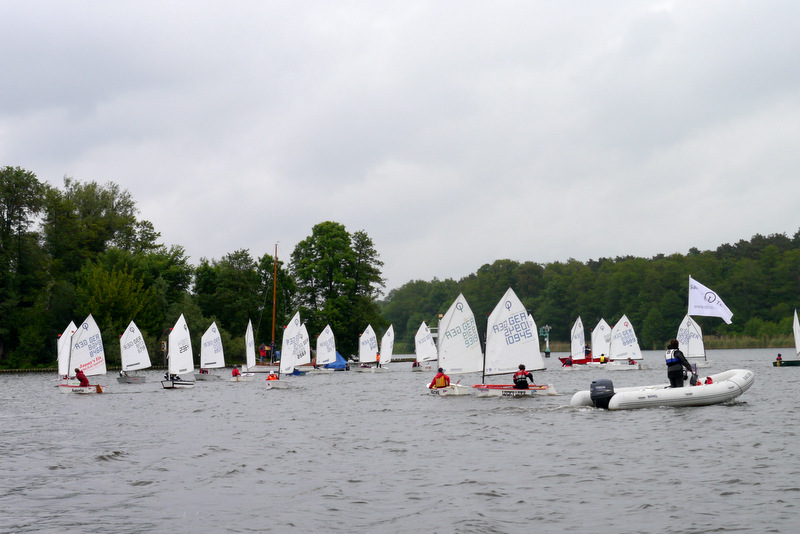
(453, 133)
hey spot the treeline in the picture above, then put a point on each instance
(759, 280)
(80, 249)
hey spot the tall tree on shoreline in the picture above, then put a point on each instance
(338, 282)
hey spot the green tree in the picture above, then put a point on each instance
(338, 281)
(230, 290)
(22, 264)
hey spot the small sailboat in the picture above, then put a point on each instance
(387, 348)
(86, 353)
(425, 347)
(579, 353)
(292, 350)
(690, 342)
(511, 340)
(179, 357)
(459, 346)
(133, 351)
(63, 347)
(624, 351)
(792, 362)
(601, 339)
(367, 350)
(212, 356)
(326, 352)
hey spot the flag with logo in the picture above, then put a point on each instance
(703, 301)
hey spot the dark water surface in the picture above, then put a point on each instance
(357, 452)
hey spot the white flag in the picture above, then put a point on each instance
(703, 301)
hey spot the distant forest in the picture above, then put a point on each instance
(759, 280)
(80, 249)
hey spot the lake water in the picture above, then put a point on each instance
(358, 452)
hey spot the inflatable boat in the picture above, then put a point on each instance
(724, 387)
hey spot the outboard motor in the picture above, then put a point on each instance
(601, 392)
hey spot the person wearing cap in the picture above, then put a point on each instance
(82, 380)
(521, 378)
(441, 380)
(676, 361)
(235, 372)
(272, 376)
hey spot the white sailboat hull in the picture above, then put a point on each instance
(243, 378)
(277, 384)
(727, 386)
(453, 389)
(507, 390)
(177, 384)
(80, 390)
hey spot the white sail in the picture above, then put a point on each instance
(249, 346)
(535, 360)
(86, 349)
(64, 344)
(367, 346)
(387, 345)
(425, 347)
(304, 357)
(181, 360)
(211, 354)
(796, 330)
(510, 338)
(601, 339)
(578, 341)
(459, 344)
(623, 341)
(290, 345)
(133, 350)
(326, 347)
(690, 339)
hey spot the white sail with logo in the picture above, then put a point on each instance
(181, 360)
(304, 356)
(387, 345)
(624, 344)
(211, 354)
(290, 345)
(577, 346)
(690, 342)
(511, 338)
(601, 339)
(326, 347)
(459, 343)
(368, 346)
(424, 345)
(86, 349)
(133, 350)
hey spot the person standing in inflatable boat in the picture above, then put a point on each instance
(676, 361)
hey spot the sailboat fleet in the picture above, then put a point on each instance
(511, 346)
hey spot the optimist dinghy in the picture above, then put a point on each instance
(459, 348)
(726, 386)
(85, 352)
(511, 339)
